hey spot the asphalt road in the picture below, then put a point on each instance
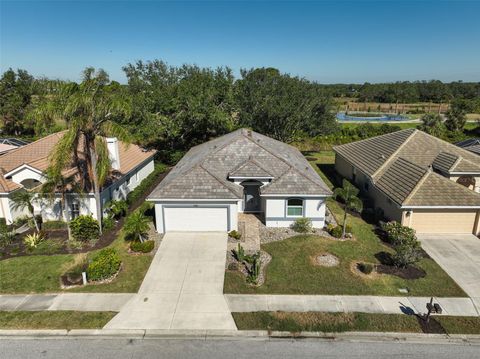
(222, 349)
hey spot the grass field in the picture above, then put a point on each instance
(342, 322)
(55, 320)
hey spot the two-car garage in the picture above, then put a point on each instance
(195, 217)
(443, 220)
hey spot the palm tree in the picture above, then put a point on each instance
(57, 184)
(137, 225)
(23, 199)
(91, 110)
(348, 193)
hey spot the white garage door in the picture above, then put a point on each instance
(195, 219)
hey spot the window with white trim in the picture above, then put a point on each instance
(295, 207)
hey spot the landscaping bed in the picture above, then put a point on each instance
(342, 322)
(54, 320)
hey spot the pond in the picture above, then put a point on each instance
(342, 116)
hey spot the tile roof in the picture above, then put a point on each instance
(400, 179)
(36, 154)
(293, 182)
(402, 170)
(241, 150)
(250, 168)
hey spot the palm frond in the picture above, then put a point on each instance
(103, 160)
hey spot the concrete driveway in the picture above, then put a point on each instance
(459, 256)
(183, 288)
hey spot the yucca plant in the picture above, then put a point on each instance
(32, 240)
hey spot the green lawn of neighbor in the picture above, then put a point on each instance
(54, 320)
(342, 322)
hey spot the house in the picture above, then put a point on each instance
(8, 144)
(416, 179)
(242, 171)
(24, 168)
(472, 145)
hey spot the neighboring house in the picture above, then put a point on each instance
(8, 144)
(24, 167)
(472, 145)
(240, 172)
(416, 179)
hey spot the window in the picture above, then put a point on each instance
(75, 209)
(295, 207)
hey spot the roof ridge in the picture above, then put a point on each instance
(291, 168)
(457, 148)
(32, 143)
(216, 178)
(457, 161)
(413, 130)
(389, 159)
(250, 160)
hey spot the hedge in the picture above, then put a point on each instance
(104, 265)
(146, 183)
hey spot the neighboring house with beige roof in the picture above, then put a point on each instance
(242, 171)
(24, 168)
(416, 179)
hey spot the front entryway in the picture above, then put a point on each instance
(183, 288)
(251, 197)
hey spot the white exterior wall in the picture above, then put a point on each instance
(232, 211)
(50, 210)
(276, 211)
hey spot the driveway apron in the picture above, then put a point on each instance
(459, 256)
(183, 288)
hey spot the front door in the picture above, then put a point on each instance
(252, 198)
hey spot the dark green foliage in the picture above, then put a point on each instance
(104, 265)
(403, 239)
(235, 234)
(146, 183)
(348, 194)
(117, 208)
(302, 225)
(142, 247)
(456, 117)
(239, 253)
(254, 268)
(84, 228)
(136, 225)
(433, 125)
(108, 223)
(336, 231)
(365, 268)
(396, 233)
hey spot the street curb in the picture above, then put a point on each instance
(141, 334)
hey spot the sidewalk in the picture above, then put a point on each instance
(339, 303)
(86, 302)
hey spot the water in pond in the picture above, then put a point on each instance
(342, 116)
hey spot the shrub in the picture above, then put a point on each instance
(84, 228)
(337, 231)
(117, 209)
(396, 233)
(108, 223)
(136, 225)
(235, 234)
(33, 240)
(104, 265)
(239, 253)
(146, 183)
(365, 268)
(254, 270)
(54, 225)
(302, 225)
(142, 247)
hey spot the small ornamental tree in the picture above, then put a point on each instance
(404, 241)
(24, 200)
(348, 193)
(137, 225)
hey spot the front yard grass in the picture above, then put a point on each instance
(292, 271)
(54, 320)
(342, 322)
(41, 274)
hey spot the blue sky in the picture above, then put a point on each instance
(323, 41)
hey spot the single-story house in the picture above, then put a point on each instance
(417, 179)
(24, 168)
(242, 171)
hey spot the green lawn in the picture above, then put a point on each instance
(342, 322)
(41, 274)
(291, 270)
(55, 320)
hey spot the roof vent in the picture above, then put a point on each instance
(382, 156)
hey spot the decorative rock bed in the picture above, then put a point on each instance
(327, 260)
(233, 265)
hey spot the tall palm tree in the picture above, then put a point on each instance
(23, 199)
(63, 185)
(91, 110)
(348, 193)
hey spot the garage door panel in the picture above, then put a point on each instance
(443, 221)
(196, 219)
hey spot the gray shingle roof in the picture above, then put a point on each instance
(444, 161)
(250, 168)
(203, 172)
(400, 179)
(405, 175)
(293, 182)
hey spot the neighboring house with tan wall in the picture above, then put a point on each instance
(416, 179)
(24, 168)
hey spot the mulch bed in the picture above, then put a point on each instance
(409, 272)
(18, 249)
(432, 327)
